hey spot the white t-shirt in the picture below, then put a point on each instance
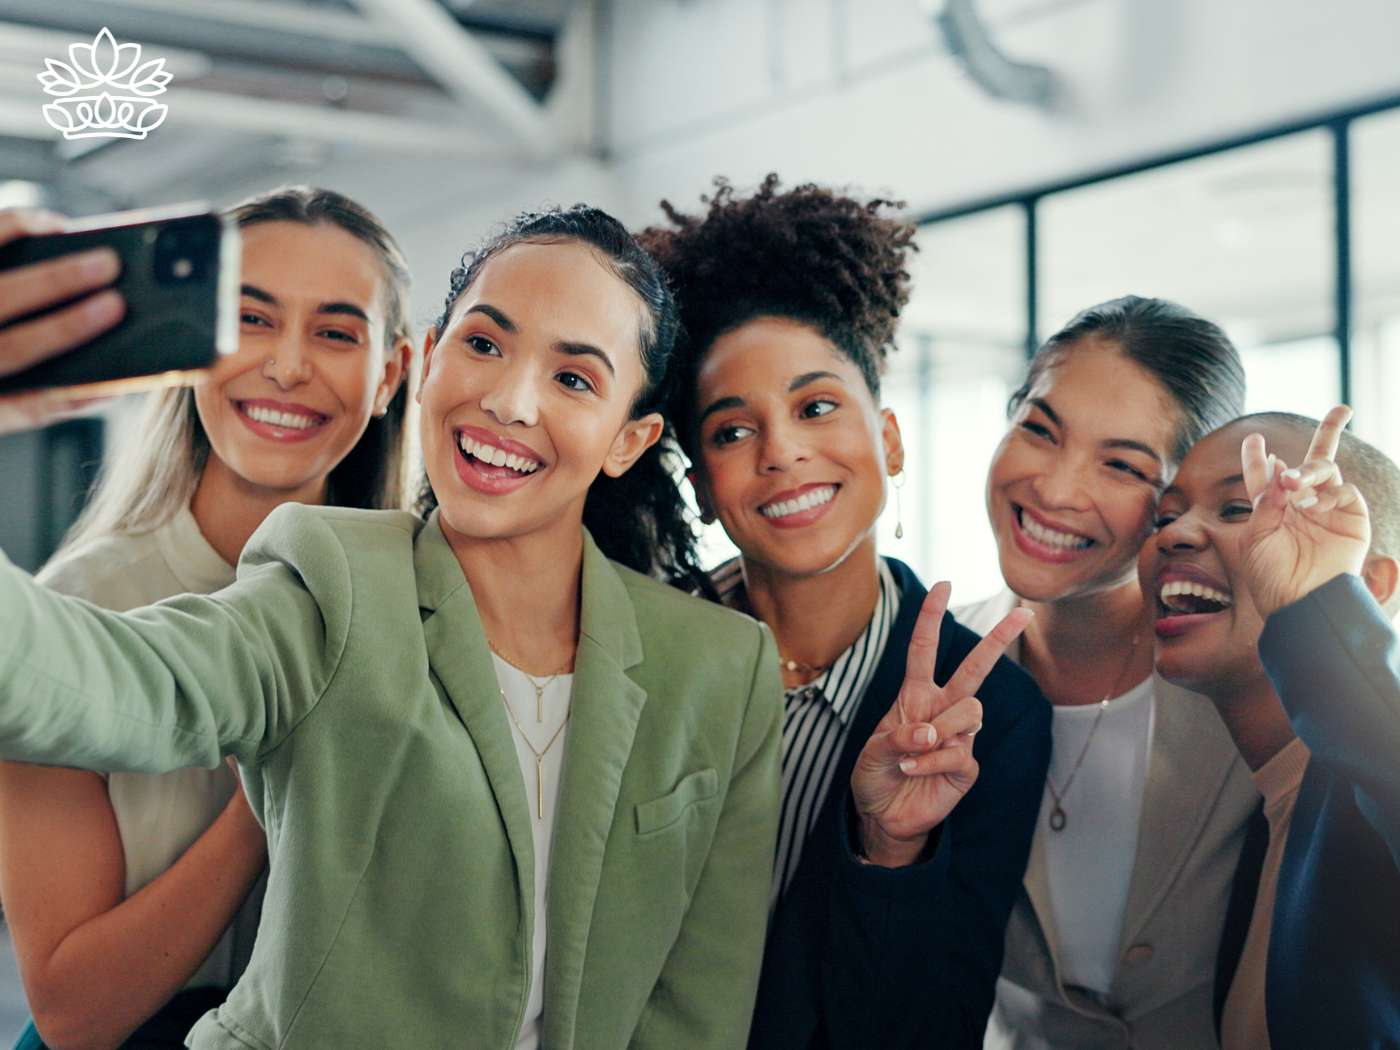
(1090, 860)
(161, 815)
(540, 723)
(1089, 863)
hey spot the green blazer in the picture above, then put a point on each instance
(348, 672)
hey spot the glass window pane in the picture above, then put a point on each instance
(1375, 225)
(1245, 238)
(962, 351)
(1298, 376)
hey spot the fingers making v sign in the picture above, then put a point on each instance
(1308, 525)
(918, 763)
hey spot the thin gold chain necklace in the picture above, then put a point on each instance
(1058, 818)
(798, 667)
(537, 752)
(538, 687)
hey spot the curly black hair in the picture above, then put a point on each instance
(809, 254)
(639, 518)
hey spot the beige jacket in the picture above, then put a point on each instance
(1198, 800)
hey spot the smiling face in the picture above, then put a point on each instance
(1207, 626)
(311, 365)
(793, 450)
(1073, 485)
(527, 393)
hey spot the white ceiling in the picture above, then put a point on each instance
(263, 85)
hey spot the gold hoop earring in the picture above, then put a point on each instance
(898, 482)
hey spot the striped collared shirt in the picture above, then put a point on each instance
(816, 719)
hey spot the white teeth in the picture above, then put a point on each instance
(496, 456)
(806, 501)
(290, 420)
(1195, 590)
(1052, 537)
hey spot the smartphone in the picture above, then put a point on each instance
(179, 277)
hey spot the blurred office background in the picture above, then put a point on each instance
(1237, 155)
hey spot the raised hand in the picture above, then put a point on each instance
(27, 289)
(1308, 525)
(918, 763)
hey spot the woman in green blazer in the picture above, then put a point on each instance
(405, 799)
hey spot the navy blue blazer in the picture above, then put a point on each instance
(859, 956)
(1333, 970)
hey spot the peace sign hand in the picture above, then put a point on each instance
(1308, 525)
(918, 763)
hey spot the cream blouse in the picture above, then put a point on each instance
(161, 815)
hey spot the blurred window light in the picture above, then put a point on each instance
(1245, 238)
(961, 352)
(16, 193)
(1375, 225)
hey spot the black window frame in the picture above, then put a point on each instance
(1337, 123)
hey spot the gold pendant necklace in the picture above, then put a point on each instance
(538, 753)
(538, 687)
(798, 667)
(1058, 817)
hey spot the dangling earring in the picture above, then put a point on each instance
(898, 483)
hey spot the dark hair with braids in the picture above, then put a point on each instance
(638, 518)
(808, 254)
(1191, 357)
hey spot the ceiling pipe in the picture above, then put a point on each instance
(466, 69)
(971, 43)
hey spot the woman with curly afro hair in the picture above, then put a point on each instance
(901, 844)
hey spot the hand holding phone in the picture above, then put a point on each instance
(25, 291)
(176, 272)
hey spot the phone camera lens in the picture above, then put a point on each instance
(185, 251)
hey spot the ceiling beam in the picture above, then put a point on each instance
(249, 30)
(465, 68)
(341, 127)
(191, 107)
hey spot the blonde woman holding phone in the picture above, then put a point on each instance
(133, 898)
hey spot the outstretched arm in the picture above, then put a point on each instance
(181, 683)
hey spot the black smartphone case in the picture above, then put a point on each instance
(170, 279)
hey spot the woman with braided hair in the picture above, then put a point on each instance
(902, 840)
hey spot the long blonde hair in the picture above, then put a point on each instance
(155, 471)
